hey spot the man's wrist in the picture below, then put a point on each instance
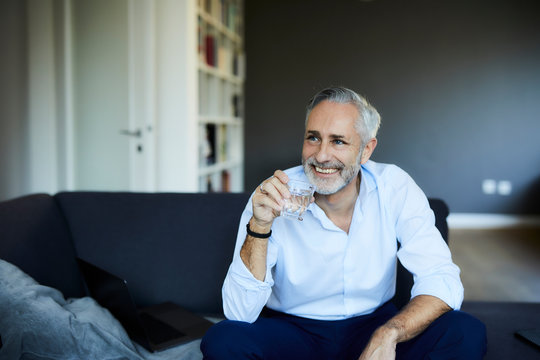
(258, 228)
(256, 234)
(390, 332)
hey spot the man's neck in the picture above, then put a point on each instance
(339, 207)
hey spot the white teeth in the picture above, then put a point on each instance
(325, 171)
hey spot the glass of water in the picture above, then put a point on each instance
(296, 205)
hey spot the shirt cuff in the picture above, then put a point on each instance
(245, 279)
(448, 290)
(243, 295)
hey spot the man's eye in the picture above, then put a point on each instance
(311, 138)
(339, 142)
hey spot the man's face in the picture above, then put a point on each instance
(332, 153)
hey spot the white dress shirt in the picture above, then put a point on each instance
(316, 270)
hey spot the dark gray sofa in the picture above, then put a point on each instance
(168, 246)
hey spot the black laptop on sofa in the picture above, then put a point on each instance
(157, 327)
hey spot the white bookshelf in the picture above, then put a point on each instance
(220, 58)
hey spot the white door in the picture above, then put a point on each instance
(113, 101)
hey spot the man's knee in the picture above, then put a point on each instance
(466, 332)
(468, 325)
(455, 335)
(226, 340)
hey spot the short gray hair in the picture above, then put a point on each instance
(368, 122)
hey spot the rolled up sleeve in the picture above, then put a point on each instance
(423, 250)
(244, 296)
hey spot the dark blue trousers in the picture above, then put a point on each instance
(455, 335)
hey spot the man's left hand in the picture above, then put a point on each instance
(382, 345)
(414, 318)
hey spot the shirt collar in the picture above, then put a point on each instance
(367, 185)
(367, 181)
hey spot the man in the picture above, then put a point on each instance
(325, 282)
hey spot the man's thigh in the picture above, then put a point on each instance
(268, 338)
(455, 335)
(282, 336)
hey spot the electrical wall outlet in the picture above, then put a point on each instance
(489, 186)
(504, 187)
(501, 187)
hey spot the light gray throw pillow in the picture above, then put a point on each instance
(36, 322)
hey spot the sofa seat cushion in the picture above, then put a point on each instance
(37, 322)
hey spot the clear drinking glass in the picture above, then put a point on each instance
(301, 194)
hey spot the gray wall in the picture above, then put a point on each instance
(457, 84)
(13, 89)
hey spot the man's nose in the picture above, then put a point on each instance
(323, 153)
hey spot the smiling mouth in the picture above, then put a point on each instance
(326, 170)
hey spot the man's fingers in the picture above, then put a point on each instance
(271, 203)
(279, 182)
(265, 208)
(281, 176)
(268, 199)
(273, 190)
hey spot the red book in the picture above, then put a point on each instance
(210, 50)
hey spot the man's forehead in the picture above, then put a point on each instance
(337, 126)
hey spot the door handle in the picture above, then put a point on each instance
(135, 133)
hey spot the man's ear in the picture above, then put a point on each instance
(368, 150)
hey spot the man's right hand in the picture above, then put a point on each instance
(267, 203)
(268, 200)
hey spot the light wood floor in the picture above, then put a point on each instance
(498, 264)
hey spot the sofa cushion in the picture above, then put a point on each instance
(169, 247)
(35, 237)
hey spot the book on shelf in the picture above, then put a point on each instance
(216, 9)
(239, 64)
(210, 150)
(232, 14)
(223, 59)
(222, 139)
(210, 49)
(204, 147)
(209, 184)
(235, 105)
(225, 181)
(201, 48)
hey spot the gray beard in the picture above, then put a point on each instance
(329, 187)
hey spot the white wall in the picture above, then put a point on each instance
(43, 145)
(34, 135)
